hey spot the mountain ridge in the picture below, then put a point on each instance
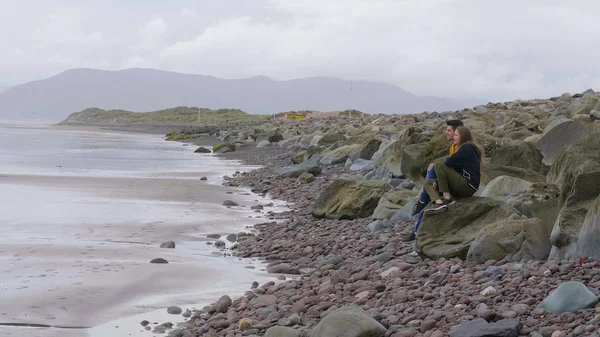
(146, 89)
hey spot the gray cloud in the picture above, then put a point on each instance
(493, 49)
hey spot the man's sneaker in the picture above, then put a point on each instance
(418, 207)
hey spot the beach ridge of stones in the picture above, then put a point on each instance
(517, 259)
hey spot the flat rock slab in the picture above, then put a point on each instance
(479, 327)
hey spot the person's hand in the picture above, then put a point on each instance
(435, 185)
(431, 166)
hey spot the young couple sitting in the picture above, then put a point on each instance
(458, 176)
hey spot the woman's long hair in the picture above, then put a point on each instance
(466, 137)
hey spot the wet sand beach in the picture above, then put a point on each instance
(75, 242)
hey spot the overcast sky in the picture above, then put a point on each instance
(490, 49)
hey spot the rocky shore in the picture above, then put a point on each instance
(515, 260)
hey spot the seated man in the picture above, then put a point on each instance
(424, 199)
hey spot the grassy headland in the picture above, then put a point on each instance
(178, 116)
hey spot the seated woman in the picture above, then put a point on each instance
(459, 174)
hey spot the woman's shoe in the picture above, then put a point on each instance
(436, 207)
(449, 201)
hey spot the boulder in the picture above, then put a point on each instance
(338, 156)
(559, 137)
(202, 150)
(378, 225)
(366, 151)
(570, 296)
(589, 235)
(276, 137)
(391, 202)
(503, 186)
(540, 200)
(306, 178)
(405, 213)
(491, 171)
(401, 160)
(223, 147)
(520, 154)
(349, 321)
(331, 138)
(348, 199)
(298, 157)
(362, 165)
(449, 234)
(479, 327)
(281, 331)
(576, 171)
(582, 105)
(489, 143)
(262, 144)
(294, 171)
(515, 240)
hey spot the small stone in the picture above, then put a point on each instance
(187, 314)
(167, 244)
(455, 268)
(559, 333)
(173, 310)
(231, 237)
(229, 203)
(213, 236)
(245, 324)
(203, 178)
(548, 273)
(159, 260)
(489, 292)
(220, 244)
(144, 322)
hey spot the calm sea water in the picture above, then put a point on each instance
(47, 151)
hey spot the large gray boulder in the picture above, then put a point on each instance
(520, 154)
(558, 138)
(570, 296)
(294, 171)
(576, 171)
(361, 165)
(515, 240)
(339, 155)
(450, 233)
(539, 200)
(391, 202)
(349, 321)
(349, 199)
(589, 236)
(500, 188)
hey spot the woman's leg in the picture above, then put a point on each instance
(451, 181)
(433, 193)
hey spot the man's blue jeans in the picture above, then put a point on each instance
(424, 198)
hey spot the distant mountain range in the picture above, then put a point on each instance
(143, 90)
